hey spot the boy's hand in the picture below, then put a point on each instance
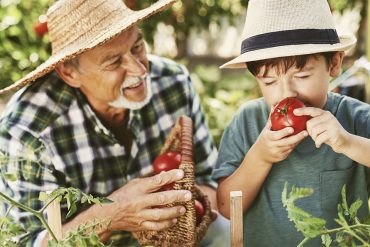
(323, 127)
(274, 146)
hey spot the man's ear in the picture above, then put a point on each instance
(69, 74)
(336, 64)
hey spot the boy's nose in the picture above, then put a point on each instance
(289, 90)
(134, 66)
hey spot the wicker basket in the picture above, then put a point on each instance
(186, 232)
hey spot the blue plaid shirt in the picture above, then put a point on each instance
(67, 145)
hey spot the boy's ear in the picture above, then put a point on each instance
(69, 74)
(336, 64)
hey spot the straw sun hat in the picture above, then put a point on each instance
(76, 26)
(280, 28)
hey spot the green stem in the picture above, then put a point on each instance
(358, 237)
(303, 242)
(48, 203)
(345, 228)
(6, 215)
(30, 210)
(17, 204)
(348, 229)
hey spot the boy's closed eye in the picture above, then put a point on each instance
(302, 75)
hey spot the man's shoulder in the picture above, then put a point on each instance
(161, 67)
(37, 105)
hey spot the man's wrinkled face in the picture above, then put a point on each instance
(114, 74)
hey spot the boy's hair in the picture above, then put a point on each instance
(285, 63)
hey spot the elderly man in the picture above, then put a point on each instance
(95, 116)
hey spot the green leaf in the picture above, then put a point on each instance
(71, 210)
(326, 240)
(354, 208)
(10, 176)
(43, 196)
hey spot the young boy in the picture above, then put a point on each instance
(292, 48)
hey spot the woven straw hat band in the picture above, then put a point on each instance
(75, 22)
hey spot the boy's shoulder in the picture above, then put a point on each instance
(253, 107)
(253, 112)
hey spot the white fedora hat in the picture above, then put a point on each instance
(76, 26)
(281, 28)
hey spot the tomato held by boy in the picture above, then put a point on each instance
(282, 116)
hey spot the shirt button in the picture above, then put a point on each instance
(97, 129)
(117, 147)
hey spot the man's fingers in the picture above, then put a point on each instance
(165, 197)
(160, 214)
(155, 182)
(158, 225)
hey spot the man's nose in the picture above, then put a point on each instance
(134, 67)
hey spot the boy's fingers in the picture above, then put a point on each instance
(280, 134)
(309, 111)
(293, 140)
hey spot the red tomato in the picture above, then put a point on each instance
(199, 210)
(282, 115)
(166, 161)
(41, 28)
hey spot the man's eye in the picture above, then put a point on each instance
(137, 48)
(115, 64)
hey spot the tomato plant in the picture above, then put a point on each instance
(282, 115)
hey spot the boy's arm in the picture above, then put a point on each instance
(248, 178)
(357, 149)
(269, 148)
(323, 127)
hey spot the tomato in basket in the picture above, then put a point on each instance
(166, 162)
(199, 210)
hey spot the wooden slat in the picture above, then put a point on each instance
(55, 219)
(236, 219)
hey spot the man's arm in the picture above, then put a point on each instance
(135, 207)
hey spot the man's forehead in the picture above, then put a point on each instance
(117, 45)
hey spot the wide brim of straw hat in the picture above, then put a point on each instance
(68, 54)
(346, 43)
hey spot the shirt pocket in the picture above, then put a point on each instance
(331, 183)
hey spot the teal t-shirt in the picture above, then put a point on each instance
(266, 223)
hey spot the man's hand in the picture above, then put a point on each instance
(323, 127)
(138, 204)
(274, 146)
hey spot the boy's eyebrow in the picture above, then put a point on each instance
(306, 69)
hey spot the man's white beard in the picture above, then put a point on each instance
(123, 102)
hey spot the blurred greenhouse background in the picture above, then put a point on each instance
(202, 34)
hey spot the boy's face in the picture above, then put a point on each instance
(309, 84)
